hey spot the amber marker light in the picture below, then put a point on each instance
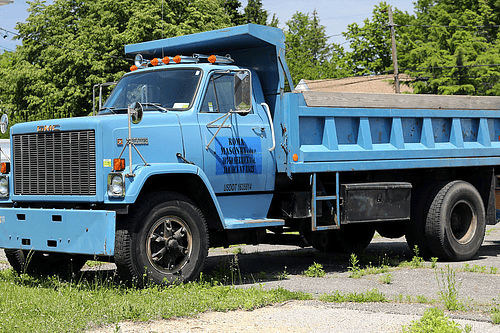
(5, 167)
(154, 62)
(295, 157)
(165, 60)
(177, 59)
(133, 68)
(212, 59)
(119, 164)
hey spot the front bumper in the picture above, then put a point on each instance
(89, 232)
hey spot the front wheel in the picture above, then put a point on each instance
(166, 241)
(456, 222)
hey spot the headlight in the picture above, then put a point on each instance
(116, 185)
(4, 186)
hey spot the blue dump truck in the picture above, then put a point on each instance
(205, 143)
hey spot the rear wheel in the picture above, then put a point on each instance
(456, 222)
(166, 240)
(36, 262)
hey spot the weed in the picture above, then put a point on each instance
(424, 300)
(283, 275)
(235, 269)
(94, 263)
(493, 270)
(449, 289)
(434, 262)
(495, 315)
(369, 296)
(237, 250)
(434, 320)
(315, 270)
(416, 261)
(354, 267)
(386, 278)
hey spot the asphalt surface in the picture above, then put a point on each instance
(269, 266)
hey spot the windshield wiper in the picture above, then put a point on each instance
(110, 109)
(156, 105)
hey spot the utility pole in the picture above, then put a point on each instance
(394, 51)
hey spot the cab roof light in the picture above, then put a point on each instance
(140, 62)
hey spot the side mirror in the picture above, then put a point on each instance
(4, 123)
(135, 112)
(243, 91)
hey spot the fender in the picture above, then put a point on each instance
(143, 173)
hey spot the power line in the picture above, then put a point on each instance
(447, 26)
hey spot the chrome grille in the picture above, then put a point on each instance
(54, 163)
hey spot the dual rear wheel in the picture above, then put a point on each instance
(449, 222)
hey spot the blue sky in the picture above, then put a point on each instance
(335, 15)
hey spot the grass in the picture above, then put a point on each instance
(36, 304)
(369, 296)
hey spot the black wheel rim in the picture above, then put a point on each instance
(169, 244)
(463, 222)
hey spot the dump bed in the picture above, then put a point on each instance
(351, 132)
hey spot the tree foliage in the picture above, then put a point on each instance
(309, 55)
(453, 45)
(447, 45)
(371, 43)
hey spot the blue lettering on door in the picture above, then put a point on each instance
(238, 155)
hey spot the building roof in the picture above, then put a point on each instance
(379, 84)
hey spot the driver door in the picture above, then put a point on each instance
(235, 147)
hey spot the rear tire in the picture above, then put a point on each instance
(165, 240)
(456, 222)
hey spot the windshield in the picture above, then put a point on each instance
(172, 89)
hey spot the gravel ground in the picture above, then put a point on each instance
(264, 262)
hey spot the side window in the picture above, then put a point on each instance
(219, 96)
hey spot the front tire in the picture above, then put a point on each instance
(456, 222)
(166, 240)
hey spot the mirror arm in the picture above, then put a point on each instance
(227, 115)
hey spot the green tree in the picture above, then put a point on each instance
(231, 8)
(309, 55)
(453, 47)
(371, 43)
(70, 45)
(254, 13)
